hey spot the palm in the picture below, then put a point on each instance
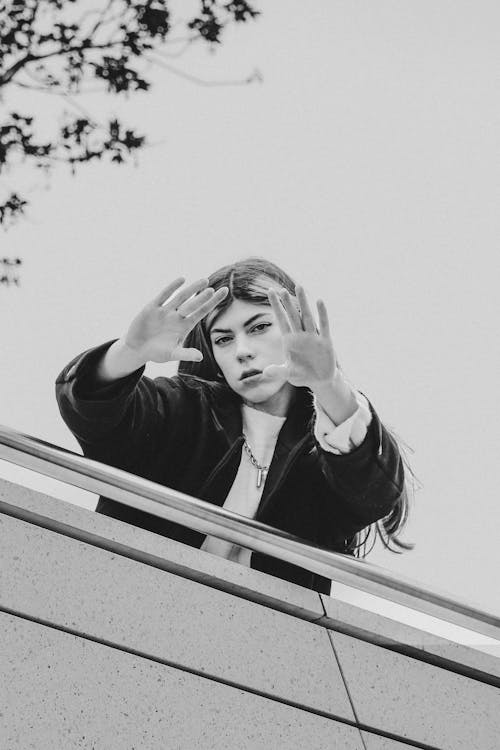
(158, 331)
(162, 329)
(309, 353)
(309, 358)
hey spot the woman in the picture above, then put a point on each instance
(259, 418)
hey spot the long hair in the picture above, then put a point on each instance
(247, 280)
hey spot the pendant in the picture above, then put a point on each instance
(260, 473)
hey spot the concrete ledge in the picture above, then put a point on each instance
(376, 742)
(106, 623)
(69, 584)
(373, 628)
(71, 693)
(158, 551)
(417, 701)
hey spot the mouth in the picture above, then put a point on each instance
(250, 374)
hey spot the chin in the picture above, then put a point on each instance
(261, 392)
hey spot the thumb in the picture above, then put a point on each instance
(187, 355)
(274, 371)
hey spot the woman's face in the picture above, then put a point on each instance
(246, 337)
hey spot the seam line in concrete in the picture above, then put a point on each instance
(241, 592)
(417, 654)
(220, 680)
(341, 671)
(154, 561)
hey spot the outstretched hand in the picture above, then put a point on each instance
(309, 355)
(156, 334)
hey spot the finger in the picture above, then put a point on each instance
(168, 291)
(188, 292)
(307, 317)
(186, 355)
(194, 302)
(290, 305)
(279, 311)
(217, 297)
(324, 324)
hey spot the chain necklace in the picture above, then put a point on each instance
(261, 470)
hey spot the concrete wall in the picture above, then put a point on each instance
(113, 637)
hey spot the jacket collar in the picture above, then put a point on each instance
(226, 409)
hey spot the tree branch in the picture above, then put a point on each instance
(11, 72)
(59, 46)
(53, 89)
(100, 20)
(186, 43)
(255, 76)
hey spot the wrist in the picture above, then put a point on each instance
(119, 361)
(336, 398)
(128, 356)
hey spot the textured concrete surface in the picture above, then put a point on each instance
(376, 742)
(388, 631)
(418, 701)
(63, 692)
(135, 590)
(74, 585)
(176, 556)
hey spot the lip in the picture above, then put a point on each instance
(254, 374)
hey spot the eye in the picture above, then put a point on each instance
(261, 326)
(221, 340)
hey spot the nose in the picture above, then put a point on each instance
(243, 349)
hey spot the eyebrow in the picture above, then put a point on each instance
(246, 323)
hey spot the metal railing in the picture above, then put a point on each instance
(206, 518)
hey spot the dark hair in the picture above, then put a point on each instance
(247, 281)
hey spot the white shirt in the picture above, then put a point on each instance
(262, 430)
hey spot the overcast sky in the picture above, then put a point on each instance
(366, 163)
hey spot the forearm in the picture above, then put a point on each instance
(336, 398)
(121, 409)
(118, 362)
(369, 478)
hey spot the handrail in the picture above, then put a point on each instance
(126, 488)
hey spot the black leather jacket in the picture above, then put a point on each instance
(186, 433)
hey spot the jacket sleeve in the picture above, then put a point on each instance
(120, 422)
(369, 480)
(342, 438)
